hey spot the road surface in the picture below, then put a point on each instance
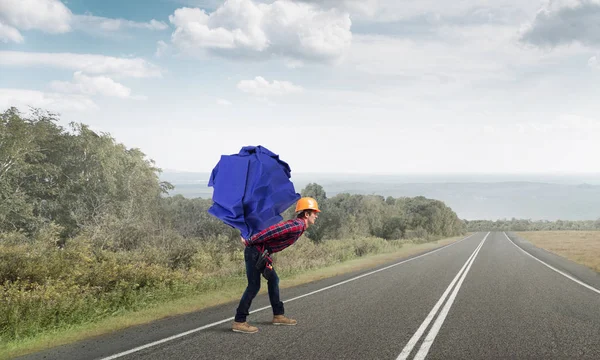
(488, 296)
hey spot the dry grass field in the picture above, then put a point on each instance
(582, 247)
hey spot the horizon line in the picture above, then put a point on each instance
(407, 173)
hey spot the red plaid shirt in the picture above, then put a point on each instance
(279, 236)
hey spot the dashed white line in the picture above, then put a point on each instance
(158, 342)
(424, 349)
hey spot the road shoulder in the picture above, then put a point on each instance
(578, 271)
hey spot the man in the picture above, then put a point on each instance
(273, 239)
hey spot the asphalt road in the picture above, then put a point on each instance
(485, 297)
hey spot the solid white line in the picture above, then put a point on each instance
(158, 342)
(168, 339)
(555, 269)
(426, 345)
(417, 335)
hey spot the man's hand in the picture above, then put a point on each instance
(243, 241)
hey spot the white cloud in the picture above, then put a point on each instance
(366, 8)
(561, 22)
(578, 122)
(85, 22)
(363, 7)
(48, 15)
(223, 102)
(9, 33)
(457, 57)
(294, 64)
(196, 29)
(22, 99)
(562, 124)
(161, 48)
(433, 10)
(53, 16)
(261, 87)
(88, 63)
(433, 61)
(92, 85)
(243, 27)
(594, 63)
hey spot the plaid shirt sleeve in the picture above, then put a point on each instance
(283, 229)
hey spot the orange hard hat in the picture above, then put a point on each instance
(307, 203)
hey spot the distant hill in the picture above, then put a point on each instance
(477, 196)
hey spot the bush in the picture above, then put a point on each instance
(306, 255)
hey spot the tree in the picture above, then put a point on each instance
(315, 191)
(76, 180)
(26, 178)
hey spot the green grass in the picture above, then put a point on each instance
(93, 314)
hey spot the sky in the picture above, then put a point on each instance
(336, 86)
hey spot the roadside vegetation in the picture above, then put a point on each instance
(531, 225)
(88, 233)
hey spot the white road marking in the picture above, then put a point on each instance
(555, 269)
(440, 320)
(177, 336)
(437, 325)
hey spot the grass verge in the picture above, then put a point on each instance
(229, 289)
(582, 247)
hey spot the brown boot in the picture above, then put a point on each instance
(282, 320)
(244, 327)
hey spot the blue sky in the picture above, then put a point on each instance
(369, 86)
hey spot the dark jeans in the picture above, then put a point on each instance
(251, 255)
